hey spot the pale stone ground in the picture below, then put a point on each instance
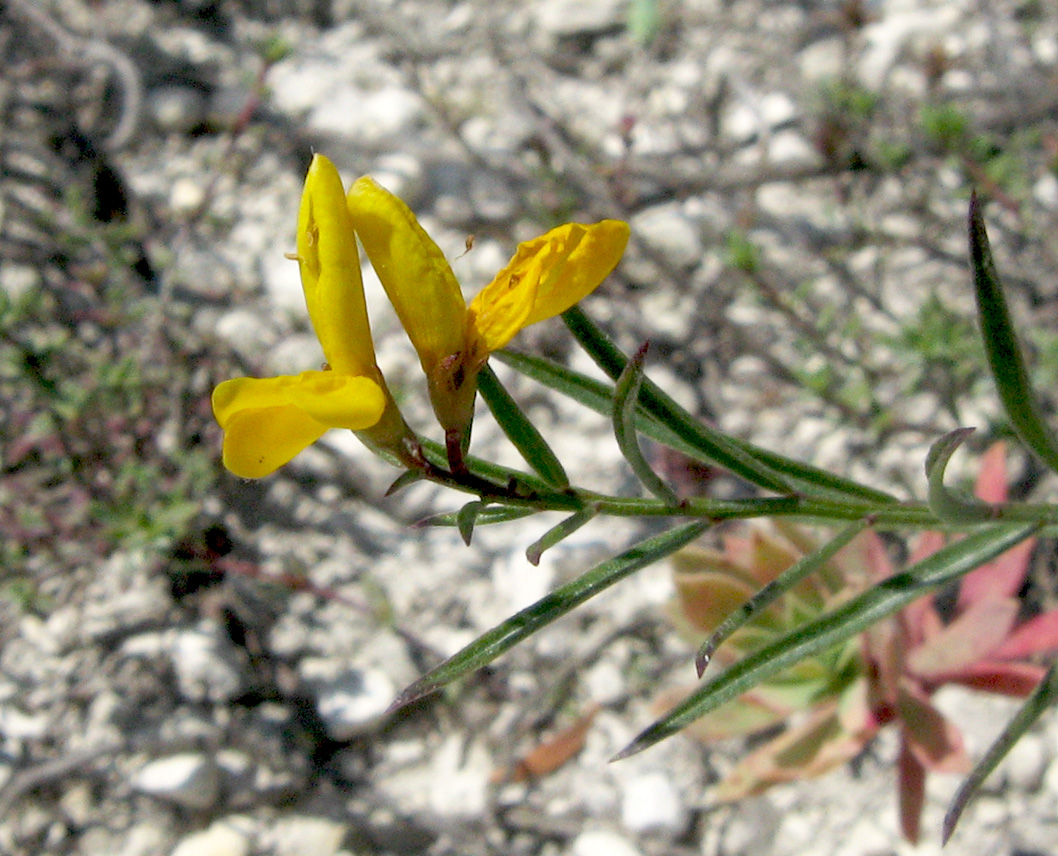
(133, 725)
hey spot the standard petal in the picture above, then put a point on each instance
(413, 270)
(591, 259)
(503, 307)
(330, 271)
(257, 442)
(546, 277)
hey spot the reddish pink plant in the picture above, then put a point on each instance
(985, 645)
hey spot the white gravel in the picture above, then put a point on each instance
(252, 720)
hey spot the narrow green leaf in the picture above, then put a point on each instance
(1044, 697)
(466, 517)
(948, 563)
(403, 480)
(598, 396)
(523, 624)
(487, 516)
(657, 403)
(557, 533)
(948, 504)
(626, 394)
(774, 590)
(1001, 346)
(529, 442)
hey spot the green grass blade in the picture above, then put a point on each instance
(529, 442)
(1001, 346)
(528, 621)
(1044, 697)
(598, 396)
(857, 615)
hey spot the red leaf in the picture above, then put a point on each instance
(992, 478)
(877, 560)
(552, 753)
(884, 647)
(810, 748)
(910, 791)
(1035, 636)
(1002, 577)
(1000, 677)
(921, 620)
(707, 596)
(927, 544)
(936, 742)
(920, 617)
(973, 635)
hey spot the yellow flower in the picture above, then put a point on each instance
(547, 276)
(267, 421)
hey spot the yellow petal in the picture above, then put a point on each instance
(245, 393)
(258, 442)
(330, 271)
(412, 269)
(503, 307)
(546, 277)
(338, 401)
(329, 398)
(267, 421)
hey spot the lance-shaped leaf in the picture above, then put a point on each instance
(722, 450)
(853, 617)
(520, 431)
(944, 502)
(1001, 345)
(598, 396)
(1045, 696)
(486, 517)
(626, 394)
(466, 518)
(560, 532)
(525, 623)
(774, 590)
(408, 477)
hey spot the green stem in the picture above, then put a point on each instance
(511, 488)
(514, 489)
